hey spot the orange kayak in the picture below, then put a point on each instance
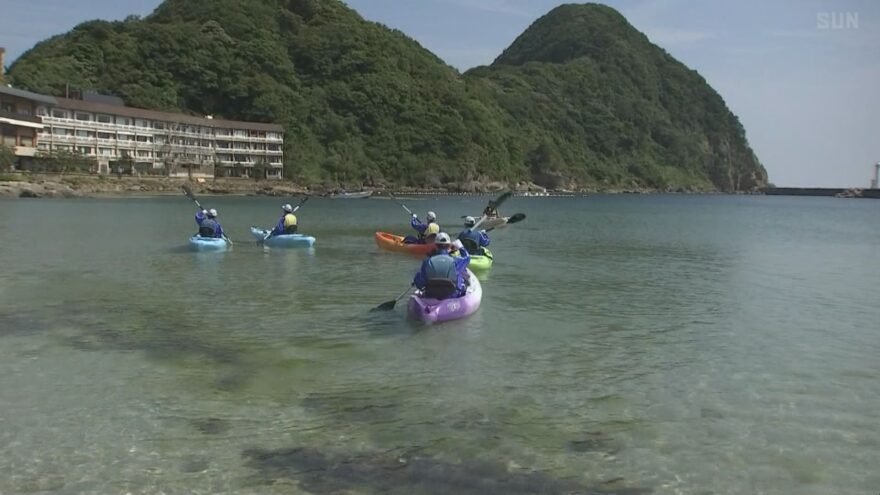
(395, 243)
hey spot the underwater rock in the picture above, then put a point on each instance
(211, 426)
(322, 472)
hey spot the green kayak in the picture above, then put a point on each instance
(481, 262)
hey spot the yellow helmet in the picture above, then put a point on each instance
(433, 228)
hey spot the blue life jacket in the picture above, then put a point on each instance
(209, 228)
(441, 266)
(472, 240)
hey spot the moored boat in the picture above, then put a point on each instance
(355, 195)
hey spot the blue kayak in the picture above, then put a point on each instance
(284, 240)
(199, 243)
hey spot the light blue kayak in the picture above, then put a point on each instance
(199, 243)
(283, 241)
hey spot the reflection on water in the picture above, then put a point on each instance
(624, 345)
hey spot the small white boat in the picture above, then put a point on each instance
(347, 195)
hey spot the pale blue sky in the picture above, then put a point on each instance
(808, 97)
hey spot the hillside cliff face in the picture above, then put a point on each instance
(580, 99)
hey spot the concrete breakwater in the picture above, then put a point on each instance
(823, 191)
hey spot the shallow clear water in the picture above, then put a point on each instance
(626, 344)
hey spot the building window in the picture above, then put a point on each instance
(106, 119)
(59, 114)
(7, 107)
(85, 150)
(123, 121)
(85, 134)
(105, 135)
(83, 117)
(158, 125)
(105, 151)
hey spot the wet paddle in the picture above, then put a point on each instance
(189, 194)
(297, 207)
(389, 305)
(518, 217)
(401, 204)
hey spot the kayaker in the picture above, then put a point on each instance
(473, 241)
(491, 210)
(208, 224)
(287, 222)
(426, 230)
(442, 275)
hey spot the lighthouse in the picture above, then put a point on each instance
(875, 182)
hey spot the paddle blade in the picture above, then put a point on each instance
(518, 217)
(385, 306)
(501, 199)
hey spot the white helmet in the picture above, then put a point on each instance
(443, 239)
(212, 213)
(287, 208)
(431, 216)
(469, 221)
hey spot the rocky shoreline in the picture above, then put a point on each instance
(73, 186)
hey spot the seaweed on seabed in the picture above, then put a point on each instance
(322, 472)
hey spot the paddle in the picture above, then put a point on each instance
(189, 194)
(297, 207)
(518, 217)
(401, 204)
(497, 202)
(389, 305)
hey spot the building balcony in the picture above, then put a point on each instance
(24, 151)
(49, 120)
(20, 119)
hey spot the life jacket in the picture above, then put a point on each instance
(209, 228)
(290, 223)
(431, 230)
(441, 277)
(470, 240)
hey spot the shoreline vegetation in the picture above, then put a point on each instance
(43, 185)
(581, 100)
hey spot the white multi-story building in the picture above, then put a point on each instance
(156, 142)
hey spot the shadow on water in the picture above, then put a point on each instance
(399, 473)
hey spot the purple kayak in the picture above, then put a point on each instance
(431, 310)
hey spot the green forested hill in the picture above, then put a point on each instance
(581, 99)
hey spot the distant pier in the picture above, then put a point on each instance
(822, 191)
